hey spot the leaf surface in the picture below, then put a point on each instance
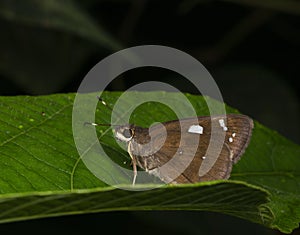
(42, 174)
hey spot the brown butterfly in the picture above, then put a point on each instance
(187, 150)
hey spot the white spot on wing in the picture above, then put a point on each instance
(233, 134)
(203, 157)
(230, 139)
(196, 129)
(222, 124)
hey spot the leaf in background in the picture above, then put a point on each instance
(47, 43)
(59, 15)
(287, 6)
(42, 175)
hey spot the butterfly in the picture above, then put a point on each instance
(187, 150)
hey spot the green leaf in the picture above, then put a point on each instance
(42, 175)
(62, 35)
(60, 15)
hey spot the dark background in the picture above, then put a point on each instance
(251, 48)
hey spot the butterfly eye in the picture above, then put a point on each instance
(127, 133)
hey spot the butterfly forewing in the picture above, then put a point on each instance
(187, 141)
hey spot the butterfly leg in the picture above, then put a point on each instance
(134, 171)
(133, 161)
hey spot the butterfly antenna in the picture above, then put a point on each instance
(107, 106)
(95, 124)
(104, 103)
(98, 124)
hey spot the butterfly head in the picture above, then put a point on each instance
(124, 133)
